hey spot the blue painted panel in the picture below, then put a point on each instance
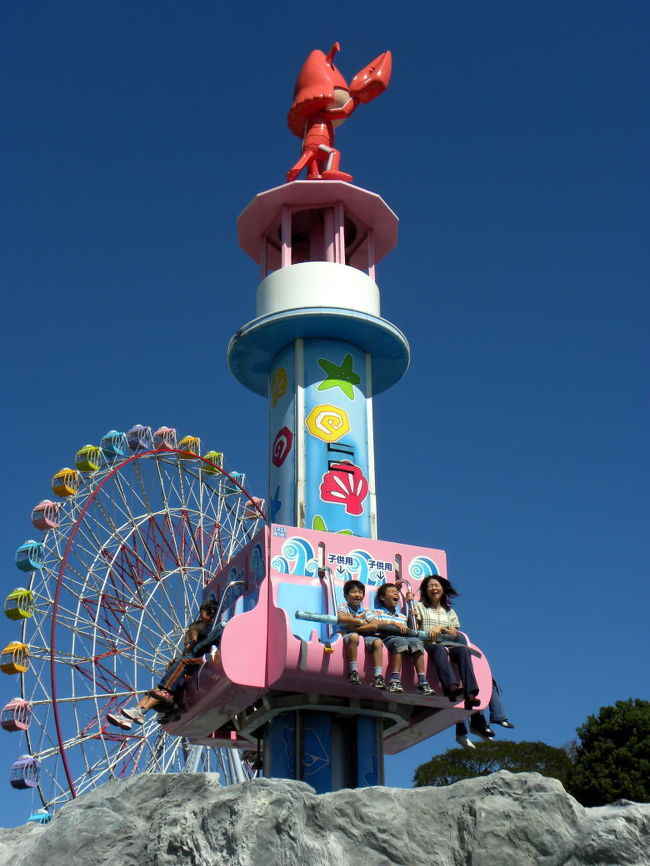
(368, 764)
(280, 744)
(336, 437)
(282, 444)
(317, 749)
(293, 597)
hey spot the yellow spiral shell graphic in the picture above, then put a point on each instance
(278, 385)
(328, 423)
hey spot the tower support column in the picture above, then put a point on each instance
(321, 468)
(326, 750)
(319, 350)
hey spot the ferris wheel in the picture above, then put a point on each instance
(142, 523)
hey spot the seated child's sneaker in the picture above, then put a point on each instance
(425, 688)
(136, 715)
(119, 720)
(354, 679)
(395, 686)
(378, 682)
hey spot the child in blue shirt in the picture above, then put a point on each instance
(352, 615)
(398, 645)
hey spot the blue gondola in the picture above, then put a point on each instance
(114, 445)
(40, 816)
(230, 486)
(30, 555)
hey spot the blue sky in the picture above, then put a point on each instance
(513, 146)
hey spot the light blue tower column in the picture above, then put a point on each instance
(319, 350)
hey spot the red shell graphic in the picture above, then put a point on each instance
(281, 446)
(345, 484)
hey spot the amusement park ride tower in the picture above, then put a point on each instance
(147, 527)
(318, 350)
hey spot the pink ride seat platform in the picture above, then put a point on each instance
(268, 659)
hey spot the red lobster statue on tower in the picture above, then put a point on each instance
(323, 100)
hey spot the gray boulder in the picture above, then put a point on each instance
(187, 820)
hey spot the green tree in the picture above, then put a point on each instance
(488, 757)
(612, 757)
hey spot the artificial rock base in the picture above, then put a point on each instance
(506, 819)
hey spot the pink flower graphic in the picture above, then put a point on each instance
(345, 484)
(281, 446)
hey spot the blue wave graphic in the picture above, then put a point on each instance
(421, 567)
(300, 555)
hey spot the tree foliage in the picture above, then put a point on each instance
(612, 757)
(488, 757)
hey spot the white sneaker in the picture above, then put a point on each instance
(135, 715)
(119, 720)
(465, 742)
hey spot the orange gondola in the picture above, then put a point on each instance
(14, 658)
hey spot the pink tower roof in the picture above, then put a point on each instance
(263, 213)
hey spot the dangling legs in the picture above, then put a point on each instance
(463, 661)
(498, 714)
(423, 686)
(446, 673)
(462, 735)
(377, 648)
(352, 645)
(479, 726)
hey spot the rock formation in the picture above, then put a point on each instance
(506, 819)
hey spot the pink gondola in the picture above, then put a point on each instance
(16, 715)
(45, 515)
(164, 437)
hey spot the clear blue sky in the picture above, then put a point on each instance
(513, 144)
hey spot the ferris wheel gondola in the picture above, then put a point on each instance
(143, 524)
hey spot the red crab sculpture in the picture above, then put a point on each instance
(323, 100)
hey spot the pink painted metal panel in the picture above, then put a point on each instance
(237, 676)
(339, 233)
(416, 562)
(307, 666)
(212, 700)
(264, 211)
(285, 234)
(261, 651)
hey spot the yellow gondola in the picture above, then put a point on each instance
(14, 658)
(191, 444)
(88, 458)
(19, 604)
(66, 482)
(216, 459)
